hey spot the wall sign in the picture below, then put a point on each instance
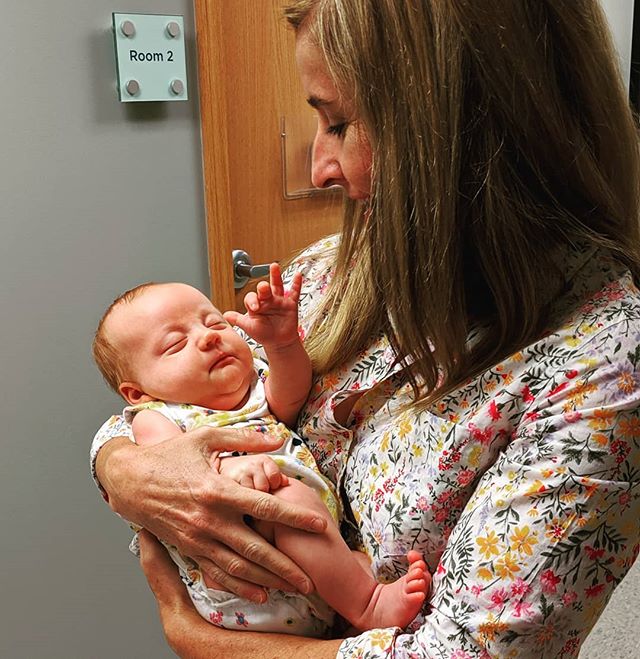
(150, 57)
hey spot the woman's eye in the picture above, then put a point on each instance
(337, 129)
(217, 325)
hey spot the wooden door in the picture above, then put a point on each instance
(248, 83)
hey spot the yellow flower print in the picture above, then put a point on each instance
(578, 394)
(600, 439)
(384, 444)
(556, 529)
(380, 638)
(626, 382)
(533, 512)
(517, 357)
(568, 497)
(490, 386)
(384, 468)
(536, 487)
(601, 419)
(485, 574)
(464, 404)
(489, 544)
(404, 428)
(572, 341)
(374, 470)
(506, 567)
(523, 540)
(474, 456)
(508, 378)
(489, 629)
(416, 451)
(630, 427)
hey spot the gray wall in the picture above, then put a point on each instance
(95, 196)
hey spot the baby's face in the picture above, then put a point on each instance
(180, 349)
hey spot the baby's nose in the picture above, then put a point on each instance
(208, 339)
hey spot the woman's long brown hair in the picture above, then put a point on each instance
(501, 134)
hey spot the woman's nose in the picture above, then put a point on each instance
(325, 168)
(208, 339)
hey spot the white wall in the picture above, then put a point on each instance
(94, 197)
(620, 15)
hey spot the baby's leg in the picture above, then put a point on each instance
(341, 578)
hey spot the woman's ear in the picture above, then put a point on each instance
(132, 393)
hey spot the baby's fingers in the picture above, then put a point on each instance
(296, 286)
(275, 279)
(251, 302)
(273, 475)
(263, 292)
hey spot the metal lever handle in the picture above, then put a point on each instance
(251, 271)
(243, 269)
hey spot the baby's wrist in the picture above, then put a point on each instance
(283, 347)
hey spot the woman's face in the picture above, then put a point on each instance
(341, 150)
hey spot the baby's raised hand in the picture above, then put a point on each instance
(272, 312)
(259, 472)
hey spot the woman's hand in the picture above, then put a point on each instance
(190, 637)
(171, 490)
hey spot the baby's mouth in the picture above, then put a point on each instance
(219, 358)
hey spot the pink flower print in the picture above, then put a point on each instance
(527, 396)
(569, 597)
(571, 646)
(594, 554)
(460, 654)
(549, 581)
(241, 620)
(216, 618)
(522, 610)
(572, 417)
(422, 504)
(494, 412)
(482, 436)
(465, 477)
(594, 591)
(620, 449)
(498, 598)
(558, 389)
(520, 588)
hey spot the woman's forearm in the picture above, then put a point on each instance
(110, 463)
(209, 642)
(191, 637)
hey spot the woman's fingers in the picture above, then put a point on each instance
(269, 509)
(245, 575)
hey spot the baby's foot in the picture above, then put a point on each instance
(398, 603)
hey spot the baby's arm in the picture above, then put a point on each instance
(272, 320)
(150, 427)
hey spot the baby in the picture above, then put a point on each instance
(178, 361)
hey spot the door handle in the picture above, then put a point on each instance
(243, 269)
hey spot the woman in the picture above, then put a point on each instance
(475, 335)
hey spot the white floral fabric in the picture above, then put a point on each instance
(521, 488)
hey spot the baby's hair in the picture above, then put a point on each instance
(107, 356)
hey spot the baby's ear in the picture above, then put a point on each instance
(132, 393)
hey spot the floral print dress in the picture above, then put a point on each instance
(521, 488)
